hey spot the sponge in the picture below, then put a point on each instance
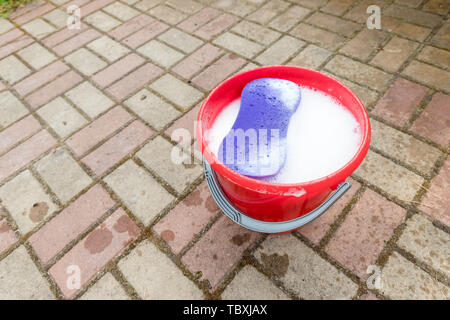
(256, 144)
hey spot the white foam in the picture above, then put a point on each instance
(222, 125)
(289, 90)
(322, 137)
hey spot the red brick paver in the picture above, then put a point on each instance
(62, 35)
(18, 43)
(218, 71)
(70, 223)
(98, 130)
(117, 70)
(76, 42)
(93, 252)
(434, 122)
(34, 13)
(216, 26)
(148, 32)
(219, 250)
(18, 131)
(187, 219)
(199, 19)
(134, 81)
(94, 5)
(25, 9)
(117, 147)
(360, 239)
(130, 26)
(400, 101)
(53, 89)
(437, 199)
(317, 229)
(197, 61)
(21, 155)
(10, 36)
(41, 77)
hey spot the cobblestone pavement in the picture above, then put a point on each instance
(87, 186)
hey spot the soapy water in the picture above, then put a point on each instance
(322, 137)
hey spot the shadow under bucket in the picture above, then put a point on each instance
(271, 207)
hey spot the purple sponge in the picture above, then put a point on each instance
(256, 144)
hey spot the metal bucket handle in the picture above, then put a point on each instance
(263, 226)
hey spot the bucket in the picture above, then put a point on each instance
(272, 207)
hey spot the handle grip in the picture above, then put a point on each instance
(263, 226)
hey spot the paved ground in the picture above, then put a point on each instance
(87, 186)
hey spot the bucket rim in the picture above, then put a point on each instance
(289, 189)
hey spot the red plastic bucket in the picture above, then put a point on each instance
(269, 201)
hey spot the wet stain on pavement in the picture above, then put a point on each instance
(98, 240)
(125, 224)
(38, 211)
(194, 199)
(167, 235)
(211, 205)
(276, 264)
(240, 239)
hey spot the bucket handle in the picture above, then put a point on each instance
(264, 226)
